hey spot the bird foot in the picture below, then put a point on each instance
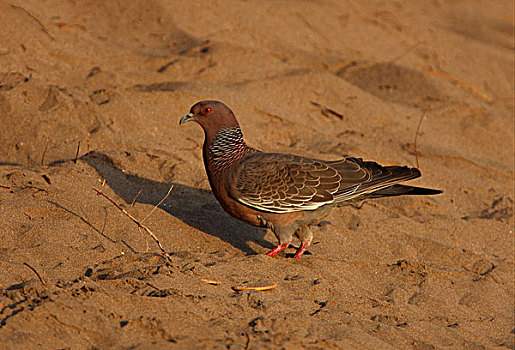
(302, 249)
(278, 249)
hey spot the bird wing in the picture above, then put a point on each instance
(282, 183)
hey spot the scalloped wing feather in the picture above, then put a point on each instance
(282, 183)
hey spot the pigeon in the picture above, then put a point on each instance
(283, 192)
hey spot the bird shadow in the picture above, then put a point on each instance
(195, 207)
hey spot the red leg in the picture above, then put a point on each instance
(302, 248)
(277, 249)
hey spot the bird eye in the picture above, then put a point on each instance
(206, 110)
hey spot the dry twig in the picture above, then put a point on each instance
(41, 26)
(136, 197)
(416, 134)
(152, 286)
(136, 221)
(326, 111)
(37, 274)
(158, 204)
(44, 150)
(212, 282)
(77, 154)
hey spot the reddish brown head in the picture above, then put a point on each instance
(212, 116)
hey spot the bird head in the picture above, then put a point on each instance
(211, 115)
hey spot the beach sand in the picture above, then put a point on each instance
(91, 93)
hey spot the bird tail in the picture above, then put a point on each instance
(382, 182)
(402, 190)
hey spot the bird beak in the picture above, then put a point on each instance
(186, 118)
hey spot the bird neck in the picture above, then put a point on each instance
(223, 149)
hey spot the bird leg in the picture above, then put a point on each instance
(306, 236)
(302, 249)
(284, 234)
(277, 249)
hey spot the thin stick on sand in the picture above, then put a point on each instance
(416, 134)
(37, 274)
(158, 204)
(136, 221)
(77, 153)
(136, 197)
(44, 150)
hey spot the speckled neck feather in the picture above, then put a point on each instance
(227, 147)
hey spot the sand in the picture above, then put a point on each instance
(324, 79)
